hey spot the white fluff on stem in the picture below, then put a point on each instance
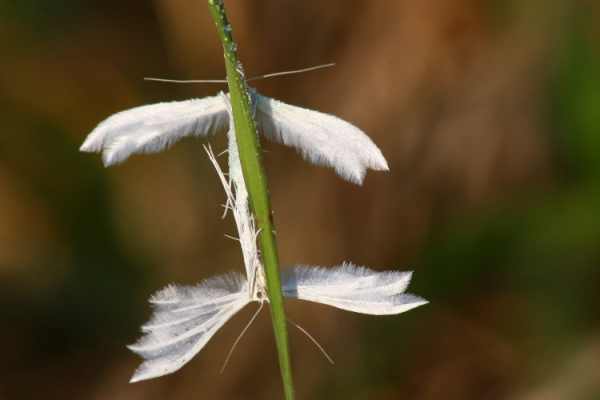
(237, 198)
(352, 288)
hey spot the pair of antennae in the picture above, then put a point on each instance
(301, 329)
(254, 78)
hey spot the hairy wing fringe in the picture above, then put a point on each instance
(321, 139)
(352, 288)
(184, 320)
(152, 128)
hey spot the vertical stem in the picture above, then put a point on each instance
(256, 182)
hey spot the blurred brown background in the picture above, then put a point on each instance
(487, 111)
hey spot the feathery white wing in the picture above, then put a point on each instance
(320, 138)
(152, 128)
(352, 288)
(184, 320)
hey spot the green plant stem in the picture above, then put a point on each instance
(256, 182)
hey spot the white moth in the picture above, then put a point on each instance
(186, 317)
(320, 138)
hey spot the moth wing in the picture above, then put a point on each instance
(152, 128)
(352, 288)
(184, 320)
(321, 139)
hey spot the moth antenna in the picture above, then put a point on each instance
(312, 339)
(240, 337)
(185, 81)
(254, 78)
(291, 72)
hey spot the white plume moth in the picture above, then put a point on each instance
(320, 138)
(186, 317)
